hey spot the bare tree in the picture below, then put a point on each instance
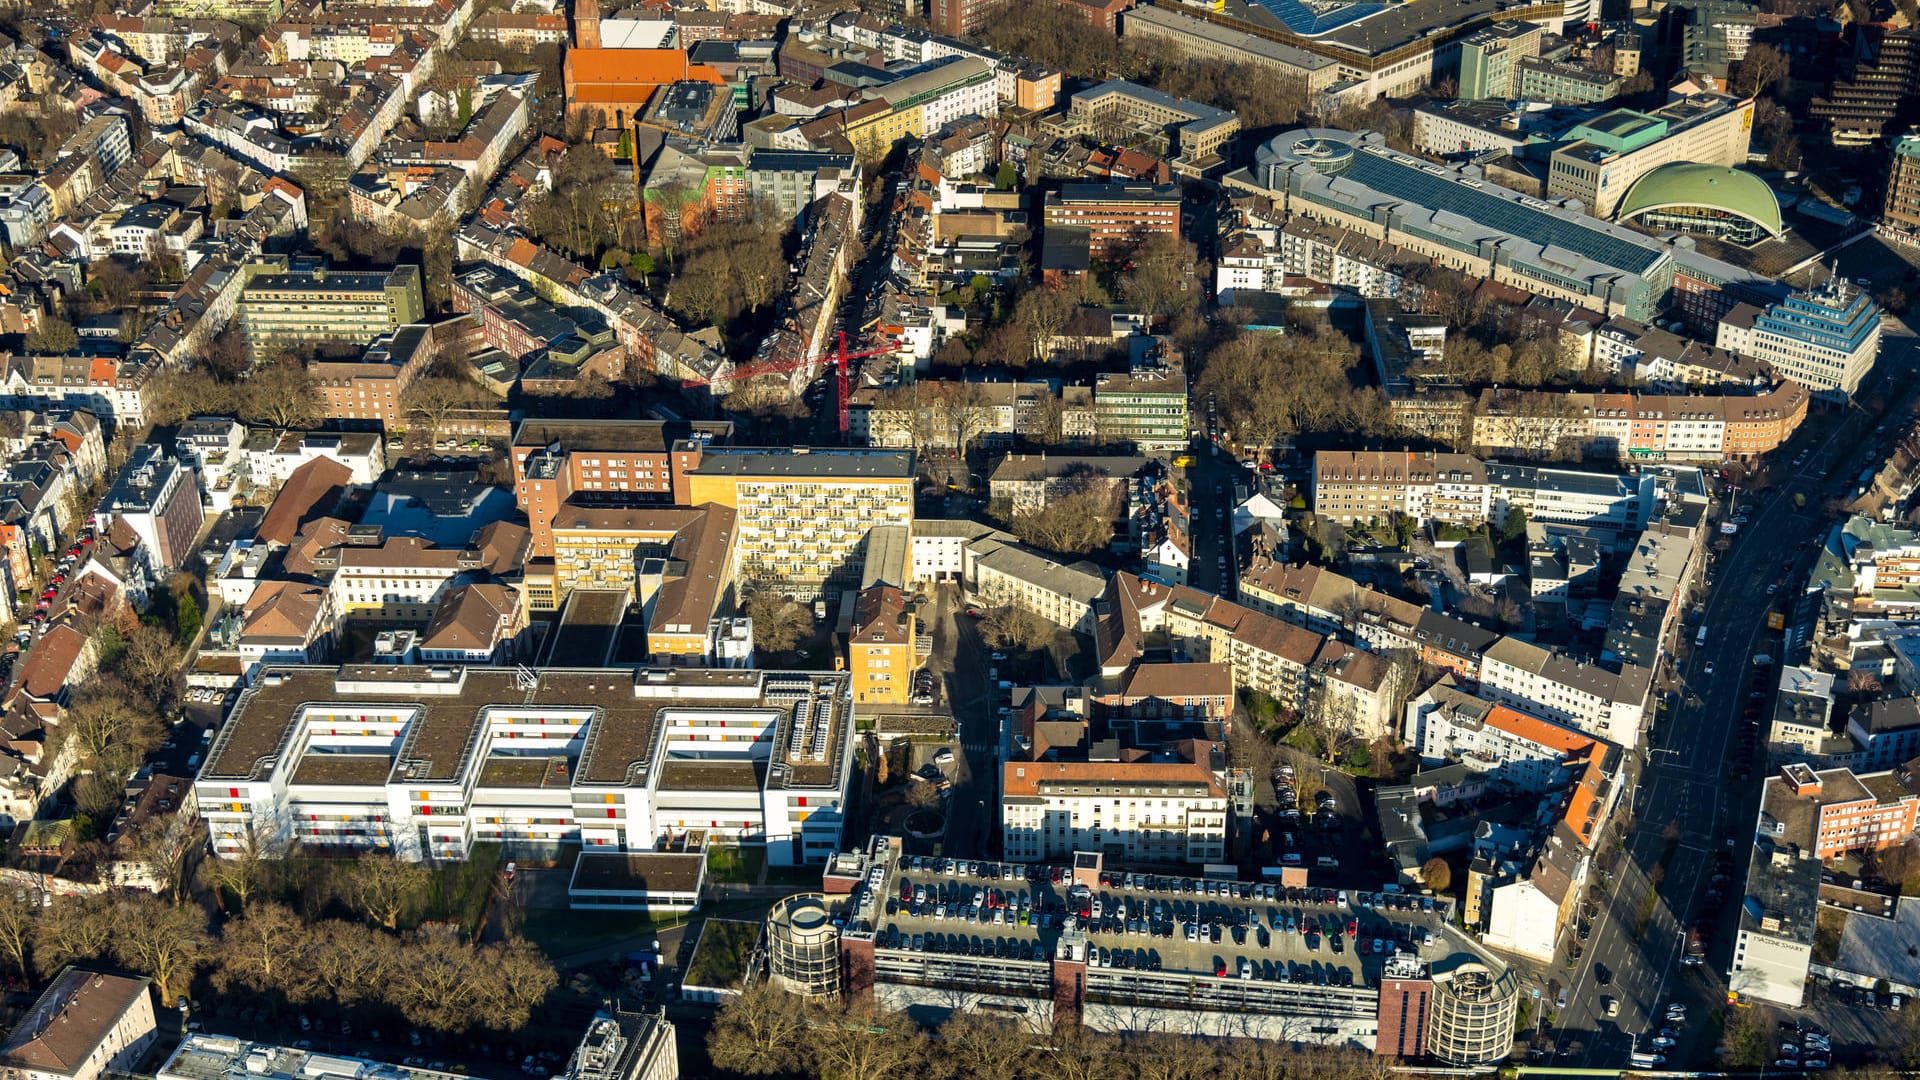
(53, 336)
(1250, 749)
(166, 941)
(977, 1046)
(194, 392)
(165, 848)
(228, 353)
(281, 393)
(1043, 314)
(1165, 1056)
(1330, 715)
(1081, 1054)
(1161, 278)
(242, 870)
(149, 660)
(761, 272)
(1015, 628)
(779, 624)
(1075, 523)
(970, 412)
(909, 414)
(1265, 386)
(1401, 681)
(520, 978)
(1045, 422)
(386, 888)
(73, 929)
(860, 1040)
(1762, 67)
(701, 292)
(757, 1033)
(352, 962)
(268, 950)
(18, 909)
(113, 726)
(431, 400)
(435, 982)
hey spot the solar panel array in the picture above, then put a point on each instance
(784, 690)
(797, 734)
(1309, 19)
(822, 724)
(1532, 219)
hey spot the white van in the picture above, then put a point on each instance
(1646, 1061)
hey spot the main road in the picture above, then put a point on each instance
(1683, 791)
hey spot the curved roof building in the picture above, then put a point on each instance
(1714, 200)
(1460, 220)
(803, 946)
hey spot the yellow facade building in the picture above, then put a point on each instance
(676, 562)
(880, 647)
(803, 517)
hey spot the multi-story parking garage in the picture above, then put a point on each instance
(1047, 944)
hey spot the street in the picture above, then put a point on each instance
(1211, 481)
(1686, 792)
(973, 804)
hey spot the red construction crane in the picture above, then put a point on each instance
(839, 360)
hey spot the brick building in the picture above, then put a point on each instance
(958, 18)
(1104, 14)
(1116, 216)
(373, 387)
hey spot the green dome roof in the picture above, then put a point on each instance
(1685, 184)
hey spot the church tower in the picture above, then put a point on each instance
(586, 24)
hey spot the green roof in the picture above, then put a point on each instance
(1684, 184)
(1620, 130)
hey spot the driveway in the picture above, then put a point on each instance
(972, 815)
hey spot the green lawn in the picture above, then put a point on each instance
(459, 891)
(720, 958)
(563, 931)
(735, 865)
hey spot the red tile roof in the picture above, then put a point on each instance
(311, 491)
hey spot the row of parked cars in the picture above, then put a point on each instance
(1803, 1046)
(1865, 998)
(988, 871)
(1753, 717)
(1285, 971)
(1650, 1049)
(1124, 959)
(37, 622)
(1262, 890)
(997, 948)
(1326, 808)
(980, 906)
